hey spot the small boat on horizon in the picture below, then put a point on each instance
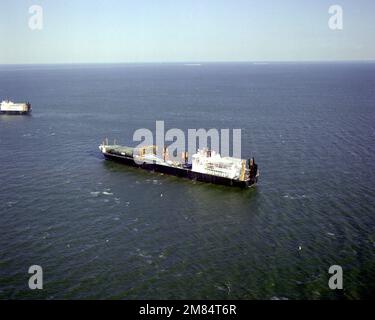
(9, 107)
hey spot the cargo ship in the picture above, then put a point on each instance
(9, 107)
(206, 165)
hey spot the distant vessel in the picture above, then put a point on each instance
(9, 107)
(207, 165)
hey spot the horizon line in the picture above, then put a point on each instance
(193, 62)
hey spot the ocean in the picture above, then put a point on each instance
(101, 230)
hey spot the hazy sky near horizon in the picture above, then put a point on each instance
(89, 31)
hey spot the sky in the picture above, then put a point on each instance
(124, 31)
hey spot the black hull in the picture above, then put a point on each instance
(15, 113)
(180, 172)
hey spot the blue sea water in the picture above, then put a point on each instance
(103, 230)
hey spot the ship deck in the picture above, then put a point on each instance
(184, 171)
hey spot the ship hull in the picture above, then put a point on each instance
(15, 112)
(179, 172)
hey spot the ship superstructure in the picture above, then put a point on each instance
(210, 162)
